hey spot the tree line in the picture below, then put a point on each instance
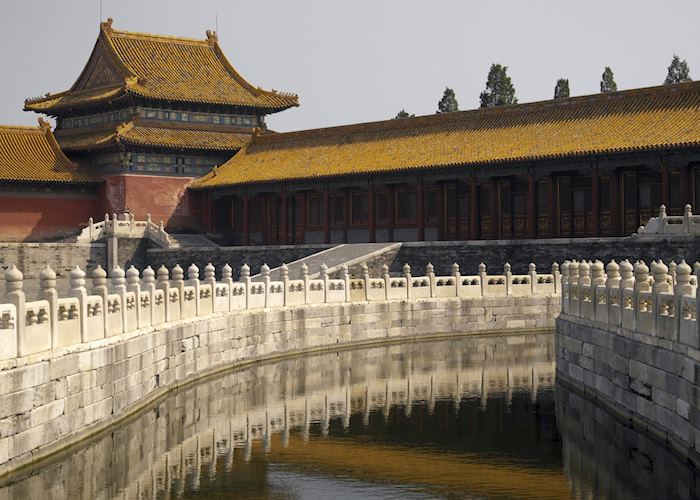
(500, 89)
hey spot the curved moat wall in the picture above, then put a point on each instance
(628, 338)
(53, 399)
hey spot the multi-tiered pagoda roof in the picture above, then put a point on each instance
(159, 68)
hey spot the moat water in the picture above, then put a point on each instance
(477, 417)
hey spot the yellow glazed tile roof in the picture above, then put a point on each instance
(650, 118)
(142, 135)
(163, 68)
(32, 154)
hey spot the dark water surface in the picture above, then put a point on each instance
(477, 417)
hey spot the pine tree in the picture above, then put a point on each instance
(607, 82)
(403, 114)
(499, 88)
(562, 88)
(448, 103)
(678, 71)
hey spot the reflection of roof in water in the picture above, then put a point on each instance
(478, 474)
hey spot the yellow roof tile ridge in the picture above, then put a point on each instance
(23, 129)
(106, 32)
(107, 27)
(459, 116)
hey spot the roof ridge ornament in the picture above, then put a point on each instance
(43, 124)
(212, 37)
(107, 25)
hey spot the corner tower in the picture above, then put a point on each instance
(152, 112)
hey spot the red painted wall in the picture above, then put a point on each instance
(34, 216)
(165, 198)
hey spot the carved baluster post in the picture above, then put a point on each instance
(284, 271)
(688, 219)
(509, 277)
(597, 279)
(133, 284)
(78, 290)
(47, 283)
(612, 281)
(482, 278)
(661, 285)
(265, 273)
(345, 276)
(565, 290)
(532, 273)
(178, 281)
(556, 277)
(91, 228)
(387, 280)
(574, 289)
(193, 280)
(365, 278)
(119, 288)
(210, 279)
(324, 277)
(409, 280)
(227, 279)
(245, 279)
(457, 276)
(148, 288)
(14, 282)
(430, 273)
(305, 278)
(682, 287)
(641, 284)
(672, 272)
(164, 284)
(99, 287)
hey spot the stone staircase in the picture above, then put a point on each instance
(190, 241)
(335, 257)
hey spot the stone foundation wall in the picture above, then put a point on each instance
(255, 257)
(53, 399)
(649, 381)
(520, 253)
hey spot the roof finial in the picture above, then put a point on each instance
(43, 124)
(107, 25)
(212, 38)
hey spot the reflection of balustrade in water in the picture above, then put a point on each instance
(199, 430)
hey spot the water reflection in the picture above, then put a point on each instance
(473, 417)
(604, 458)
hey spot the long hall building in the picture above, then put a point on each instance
(596, 165)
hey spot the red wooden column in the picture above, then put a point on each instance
(372, 236)
(552, 221)
(246, 220)
(473, 209)
(420, 201)
(685, 185)
(212, 211)
(615, 202)
(391, 193)
(595, 200)
(326, 216)
(303, 218)
(283, 222)
(493, 207)
(233, 212)
(665, 185)
(531, 206)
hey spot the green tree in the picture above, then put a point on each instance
(678, 71)
(562, 88)
(403, 114)
(499, 88)
(607, 82)
(448, 103)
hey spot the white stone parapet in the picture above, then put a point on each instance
(126, 302)
(125, 226)
(670, 224)
(648, 300)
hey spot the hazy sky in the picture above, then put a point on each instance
(364, 60)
